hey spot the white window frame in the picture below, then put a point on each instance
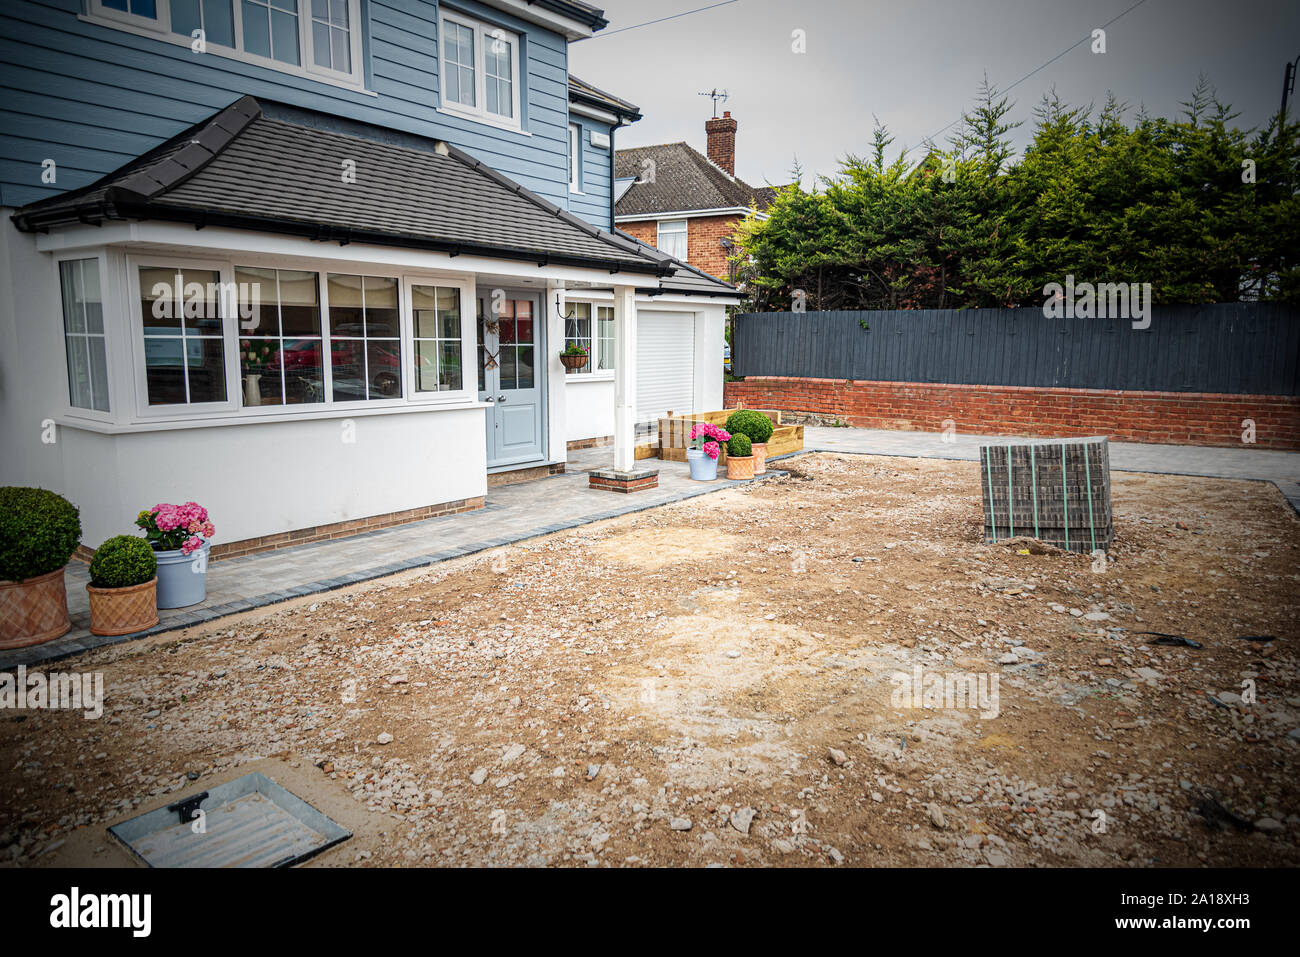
(589, 372)
(484, 33)
(107, 304)
(233, 408)
(468, 390)
(684, 232)
(575, 158)
(160, 29)
(230, 343)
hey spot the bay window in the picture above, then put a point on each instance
(480, 69)
(83, 333)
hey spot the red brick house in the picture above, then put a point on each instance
(683, 202)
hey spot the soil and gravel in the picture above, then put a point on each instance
(714, 682)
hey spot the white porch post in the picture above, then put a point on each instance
(624, 378)
(556, 409)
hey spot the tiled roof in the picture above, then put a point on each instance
(279, 173)
(684, 180)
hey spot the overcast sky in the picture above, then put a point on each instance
(917, 64)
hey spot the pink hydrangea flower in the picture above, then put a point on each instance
(712, 450)
(192, 544)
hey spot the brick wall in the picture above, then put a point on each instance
(1177, 418)
(703, 240)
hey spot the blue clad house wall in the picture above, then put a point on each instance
(91, 97)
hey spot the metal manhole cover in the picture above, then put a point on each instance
(248, 822)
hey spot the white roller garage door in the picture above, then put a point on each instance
(665, 368)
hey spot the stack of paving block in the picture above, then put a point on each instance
(1056, 491)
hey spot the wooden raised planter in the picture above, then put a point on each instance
(675, 434)
(33, 611)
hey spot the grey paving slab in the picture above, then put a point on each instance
(513, 513)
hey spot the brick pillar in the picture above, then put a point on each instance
(722, 141)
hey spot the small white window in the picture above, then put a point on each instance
(672, 238)
(480, 70)
(575, 158)
(604, 338)
(83, 333)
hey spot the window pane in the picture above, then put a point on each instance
(79, 395)
(284, 36)
(98, 373)
(74, 302)
(261, 379)
(159, 312)
(207, 369)
(348, 361)
(257, 29)
(219, 21)
(187, 16)
(256, 286)
(341, 51)
(384, 368)
(164, 361)
(491, 92)
(320, 44)
(299, 303)
(347, 317)
(525, 367)
(426, 366)
(449, 371)
(381, 307)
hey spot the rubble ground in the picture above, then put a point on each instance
(714, 682)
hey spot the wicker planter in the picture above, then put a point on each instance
(573, 363)
(760, 458)
(33, 611)
(123, 611)
(740, 466)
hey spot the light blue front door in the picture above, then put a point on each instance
(512, 376)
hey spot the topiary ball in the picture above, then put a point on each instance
(123, 561)
(39, 531)
(754, 424)
(738, 446)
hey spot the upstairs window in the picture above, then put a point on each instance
(316, 38)
(480, 70)
(672, 238)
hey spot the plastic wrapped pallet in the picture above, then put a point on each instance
(1057, 491)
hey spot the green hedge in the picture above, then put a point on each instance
(738, 446)
(39, 531)
(123, 561)
(754, 424)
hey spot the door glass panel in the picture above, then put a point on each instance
(482, 352)
(507, 360)
(525, 367)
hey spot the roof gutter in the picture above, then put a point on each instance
(114, 208)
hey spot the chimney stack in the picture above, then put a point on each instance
(722, 141)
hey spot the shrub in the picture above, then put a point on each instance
(754, 424)
(121, 562)
(39, 531)
(739, 446)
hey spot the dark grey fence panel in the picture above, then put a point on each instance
(1244, 348)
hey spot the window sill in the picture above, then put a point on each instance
(604, 375)
(241, 419)
(482, 118)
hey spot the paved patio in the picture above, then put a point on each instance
(512, 513)
(543, 506)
